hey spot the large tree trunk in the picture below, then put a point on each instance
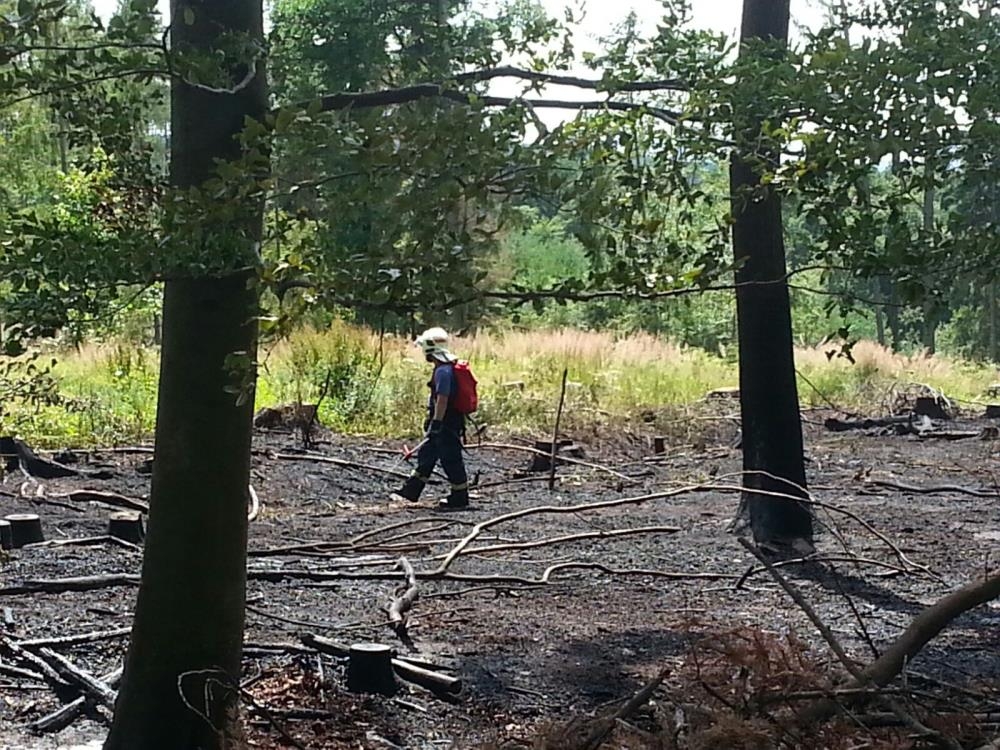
(184, 657)
(772, 429)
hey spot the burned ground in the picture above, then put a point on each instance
(533, 656)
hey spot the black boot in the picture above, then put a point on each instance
(412, 488)
(457, 500)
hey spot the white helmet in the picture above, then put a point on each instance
(434, 343)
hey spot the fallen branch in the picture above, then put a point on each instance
(65, 715)
(570, 538)
(112, 499)
(43, 667)
(637, 701)
(565, 459)
(79, 583)
(933, 489)
(91, 686)
(24, 674)
(893, 660)
(337, 462)
(76, 640)
(843, 425)
(401, 604)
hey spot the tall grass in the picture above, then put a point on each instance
(377, 386)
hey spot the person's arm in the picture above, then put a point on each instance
(440, 407)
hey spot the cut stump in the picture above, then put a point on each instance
(659, 445)
(127, 526)
(25, 528)
(993, 411)
(543, 459)
(930, 406)
(369, 669)
(5, 535)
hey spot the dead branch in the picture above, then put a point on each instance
(604, 727)
(91, 686)
(570, 538)
(564, 459)
(480, 527)
(41, 666)
(933, 489)
(79, 583)
(254, 510)
(24, 674)
(843, 425)
(64, 716)
(401, 604)
(76, 640)
(893, 660)
(337, 462)
(555, 432)
(112, 499)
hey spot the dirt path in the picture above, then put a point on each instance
(528, 655)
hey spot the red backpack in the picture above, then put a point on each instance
(466, 399)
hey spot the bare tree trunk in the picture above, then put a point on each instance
(991, 292)
(771, 424)
(184, 657)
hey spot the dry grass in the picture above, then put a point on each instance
(377, 386)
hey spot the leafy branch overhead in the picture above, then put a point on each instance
(393, 168)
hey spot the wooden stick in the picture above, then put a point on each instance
(401, 604)
(24, 674)
(555, 431)
(43, 667)
(637, 701)
(571, 538)
(79, 583)
(64, 716)
(76, 640)
(935, 489)
(338, 462)
(91, 686)
(112, 499)
(566, 459)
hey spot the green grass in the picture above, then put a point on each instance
(378, 387)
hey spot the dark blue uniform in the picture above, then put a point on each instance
(443, 445)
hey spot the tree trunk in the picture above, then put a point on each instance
(184, 657)
(772, 429)
(991, 291)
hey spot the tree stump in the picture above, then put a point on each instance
(930, 406)
(127, 526)
(993, 411)
(659, 445)
(25, 528)
(5, 535)
(544, 462)
(369, 669)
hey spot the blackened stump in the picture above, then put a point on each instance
(369, 669)
(5, 535)
(127, 526)
(25, 528)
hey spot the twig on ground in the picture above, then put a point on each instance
(565, 459)
(402, 603)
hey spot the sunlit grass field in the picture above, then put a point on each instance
(377, 386)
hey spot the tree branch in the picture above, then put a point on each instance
(509, 71)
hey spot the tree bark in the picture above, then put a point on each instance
(189, 614)
(771, 425)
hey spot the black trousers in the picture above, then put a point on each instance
(444, 448)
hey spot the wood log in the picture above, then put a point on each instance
(369, 669)
(40, 665)
(25, 528)
(89, 685)
(843, 425)
(18, 454)
(126, 525)
(401, 604)
(406, 670)
(65, 715)
(78, 583)
(75, 640)
(6, 540)
(112, 499)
